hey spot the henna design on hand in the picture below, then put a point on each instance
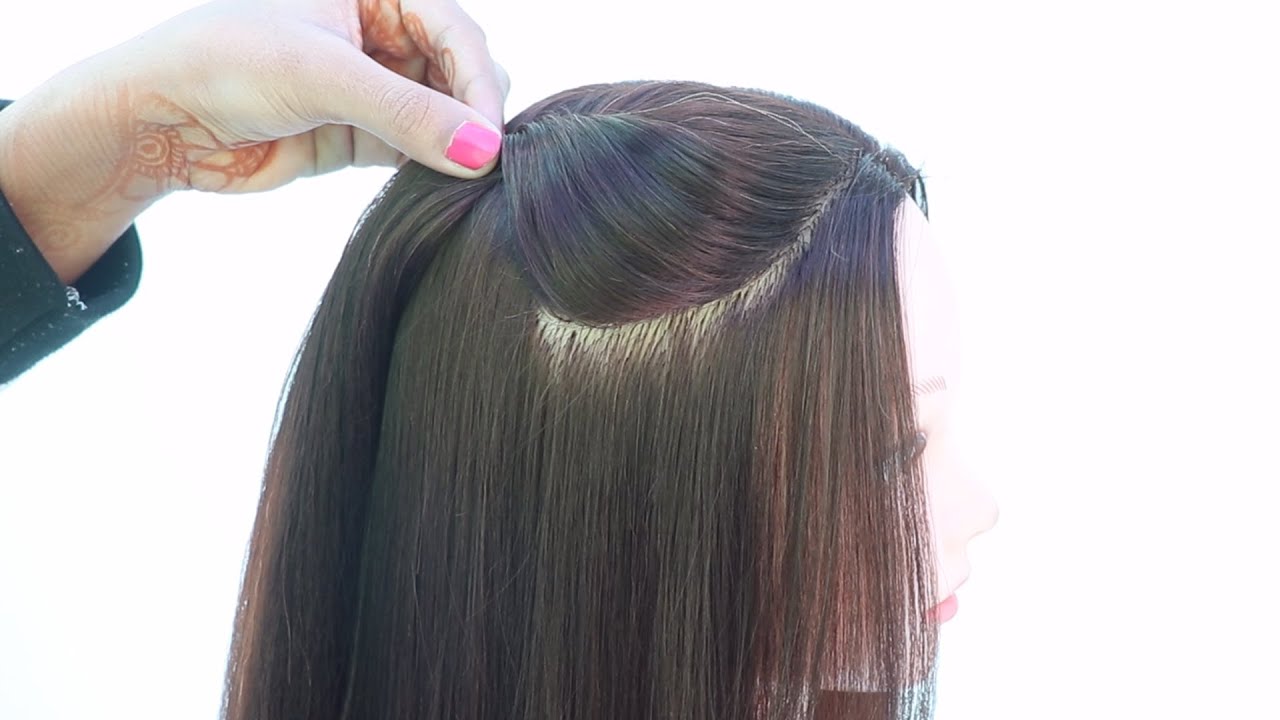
(383, 30)
(142, 148)
(171, 149)
(398, 41)
(440, 63)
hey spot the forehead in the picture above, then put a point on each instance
(928, 299)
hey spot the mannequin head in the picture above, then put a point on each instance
(960, 507)
(630, 428)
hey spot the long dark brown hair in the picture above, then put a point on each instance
(616, 431)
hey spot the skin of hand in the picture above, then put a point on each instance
(240, 96)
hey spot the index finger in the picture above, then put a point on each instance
(457, 54)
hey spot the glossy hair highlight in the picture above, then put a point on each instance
(614, 432)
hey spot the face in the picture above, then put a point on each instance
(960, 508)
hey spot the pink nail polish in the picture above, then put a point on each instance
(473, 145)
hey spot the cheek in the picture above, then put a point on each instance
(941, 509)
(949, 513)
(940, 476)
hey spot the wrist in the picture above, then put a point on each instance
(68, 166)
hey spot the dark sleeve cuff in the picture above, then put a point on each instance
(38, 314)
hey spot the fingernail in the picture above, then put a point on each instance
(473, 145)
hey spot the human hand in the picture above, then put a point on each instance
(243, 96)
(247, 95)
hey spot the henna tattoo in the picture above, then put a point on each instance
(156, 156)
(440, 63)
(170, 149)
(440, 71)
(397, 40)
(238, 163)
(56, 232)
(116, 163)
(412, 68)
(383, 31)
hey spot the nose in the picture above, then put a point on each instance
(984, 511)
(988, 513)
(993, 514)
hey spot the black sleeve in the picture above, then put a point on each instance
(38, 314)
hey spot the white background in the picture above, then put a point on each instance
(1103, 173)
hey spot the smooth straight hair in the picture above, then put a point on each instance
(622, 430)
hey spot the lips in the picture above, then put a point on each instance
(945, 610)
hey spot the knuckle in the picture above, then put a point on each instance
(462, 86)
(445, 37)
(407, 111)
(463, 31)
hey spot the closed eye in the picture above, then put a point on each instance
(908, 454)
(918, 443)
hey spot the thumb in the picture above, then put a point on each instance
(427, 126)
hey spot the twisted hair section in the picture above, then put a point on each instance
(624, 183)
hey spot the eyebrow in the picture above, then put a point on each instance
(932, 385)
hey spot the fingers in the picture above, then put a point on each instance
(455, 45)
(504, 81)
(431, 127)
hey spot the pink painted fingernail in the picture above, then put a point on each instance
(473, 145)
